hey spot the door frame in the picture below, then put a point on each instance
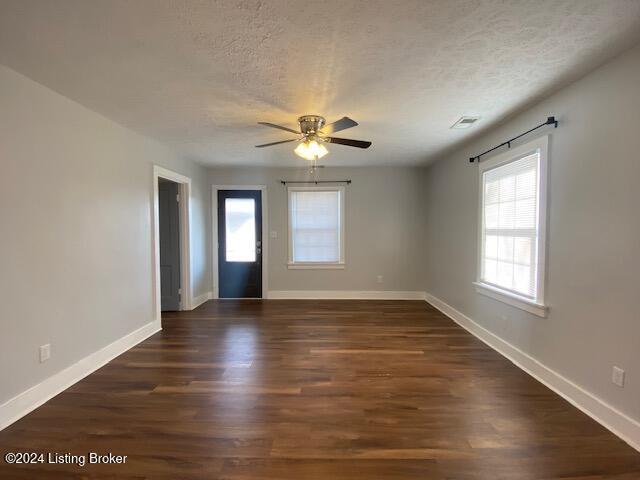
(184, 195)
(214, 234)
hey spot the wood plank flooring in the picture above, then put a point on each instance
(337, 390)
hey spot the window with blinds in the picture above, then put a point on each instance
(315, 225)
(510, 234)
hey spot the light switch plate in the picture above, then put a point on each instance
(45, 352)
(617, 376)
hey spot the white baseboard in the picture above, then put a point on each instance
(200, 299)
(625, 427)
(344, 295)
(23, 403)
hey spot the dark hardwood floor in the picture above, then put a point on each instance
(316, 390)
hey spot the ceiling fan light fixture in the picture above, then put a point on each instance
(311, 150)
(313, 135)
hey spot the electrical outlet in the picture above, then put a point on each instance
(45, 352)
(617, 376)
(380, 280)
(273, 234)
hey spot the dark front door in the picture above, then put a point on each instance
(169, 245)
(239, 244)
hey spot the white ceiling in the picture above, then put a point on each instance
(198, 75)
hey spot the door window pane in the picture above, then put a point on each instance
(240, 228)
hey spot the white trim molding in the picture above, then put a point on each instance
(200, 299)
(344, 295)
(625, 427)
(23, 403)
(511, 299)
(184, 192)
(315, 266)
(214, 235)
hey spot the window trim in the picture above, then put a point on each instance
(317, 265)
(536, 306)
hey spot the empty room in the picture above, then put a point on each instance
(284, 240)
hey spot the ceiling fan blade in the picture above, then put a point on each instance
(276, 143)
(342, 124)
(349, 142)
(273, 125)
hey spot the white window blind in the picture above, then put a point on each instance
(315, 226)
(510, 226)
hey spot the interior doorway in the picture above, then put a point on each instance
(169, 224)
(171, 255)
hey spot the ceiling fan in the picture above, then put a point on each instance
(313, 135)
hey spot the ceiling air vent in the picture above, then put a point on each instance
(465, 122)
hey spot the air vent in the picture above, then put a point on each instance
(465, 122)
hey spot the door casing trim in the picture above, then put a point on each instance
(184, 192)
(214, 234)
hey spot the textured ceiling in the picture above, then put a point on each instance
(198, 75)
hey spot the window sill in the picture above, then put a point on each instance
(315, 266)
(511, 299)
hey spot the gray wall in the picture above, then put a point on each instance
(593, 255)
(383, 227)
(75, 204)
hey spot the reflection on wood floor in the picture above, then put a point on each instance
(316, 390)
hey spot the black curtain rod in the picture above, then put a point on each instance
(284, 182)
(550, 121)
